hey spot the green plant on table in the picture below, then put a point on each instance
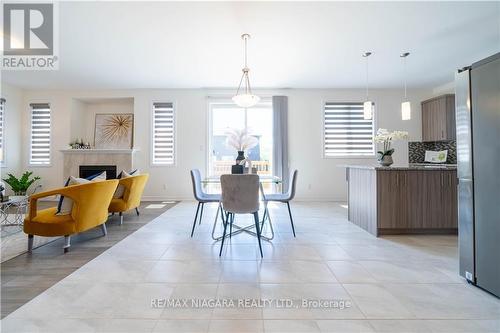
(21, 185)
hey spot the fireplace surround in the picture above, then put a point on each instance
(100, 159)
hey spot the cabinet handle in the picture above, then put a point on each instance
(442, 181)
(442, 134)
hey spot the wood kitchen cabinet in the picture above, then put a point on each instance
(404, 200)
(438, 118)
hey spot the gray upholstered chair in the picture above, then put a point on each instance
(240, 195)
(286, 197)
(200, 196)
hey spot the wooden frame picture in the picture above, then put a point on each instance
(114, 131)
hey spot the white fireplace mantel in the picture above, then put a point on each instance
(98, 151)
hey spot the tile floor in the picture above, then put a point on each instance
(389, 284)
(27, 275)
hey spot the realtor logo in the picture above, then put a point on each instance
(29, 39)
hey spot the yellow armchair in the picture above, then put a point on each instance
(90, 209)
(134, 186)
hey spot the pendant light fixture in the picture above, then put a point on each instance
(405, 105)
(367, 105)
(245, 98)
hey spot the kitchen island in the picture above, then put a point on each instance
(407, 199)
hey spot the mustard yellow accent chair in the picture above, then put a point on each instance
(134, 187)
(90, 209)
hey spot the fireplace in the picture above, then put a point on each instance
(90, 170)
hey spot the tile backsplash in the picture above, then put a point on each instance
(416, 150)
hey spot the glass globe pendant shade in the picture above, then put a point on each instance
(246, 100)
(405, 110)
(367, 110)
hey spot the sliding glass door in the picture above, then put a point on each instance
(258, 121)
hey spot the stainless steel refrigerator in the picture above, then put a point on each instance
(477, 95)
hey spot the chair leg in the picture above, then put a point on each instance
(222, 214)
(201, 214)
(291, 218)
(137, 210)
(224, 234)
(121, 218)
(257, 228)
(195, 218)
(113, 214)
(231, 226)
(104, 229)
(67, 243)
(263, 218)
(30, 243)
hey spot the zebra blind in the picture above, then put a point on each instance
(346, 132)
(2, 144)
(163, 134)
(40, 134)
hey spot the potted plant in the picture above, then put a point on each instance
(240, 140)
(386, 137)
(21, 185)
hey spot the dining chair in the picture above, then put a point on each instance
(200, 196)
(286, 197)
(240, 195)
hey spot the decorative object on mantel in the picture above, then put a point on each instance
(245, 99)
(386, 137)
(21, 185)
(114, 131)
(79, 144)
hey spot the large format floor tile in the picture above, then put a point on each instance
(333, 277)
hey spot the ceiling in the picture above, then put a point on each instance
(294, 44)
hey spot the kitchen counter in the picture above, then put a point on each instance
(403, 199)
(397, 167)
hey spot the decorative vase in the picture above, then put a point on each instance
(386, 160)
(240, 157)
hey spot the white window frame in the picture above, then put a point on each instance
(37, 165)
(228, 101)
(152, 163)
(3, 162)
(323, 134)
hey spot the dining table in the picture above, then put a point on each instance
(263, 181)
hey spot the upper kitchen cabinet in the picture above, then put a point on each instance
(438, 118)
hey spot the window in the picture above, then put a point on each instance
(346, 132)
(2, 141)
(163, 147)
(40, 134)
(257, 120)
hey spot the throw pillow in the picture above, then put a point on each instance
(120, 190)
(65, 205)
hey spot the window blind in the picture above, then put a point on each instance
(163, 134)
(40, 134)
(2, 103)
(346, 132)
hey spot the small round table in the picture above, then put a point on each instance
(13, 211)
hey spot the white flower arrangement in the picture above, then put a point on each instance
(386, 137)
(240, 140)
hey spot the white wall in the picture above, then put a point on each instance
(83, 115)
(319, 178)
(12, 130)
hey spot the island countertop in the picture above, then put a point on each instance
(400, 167)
